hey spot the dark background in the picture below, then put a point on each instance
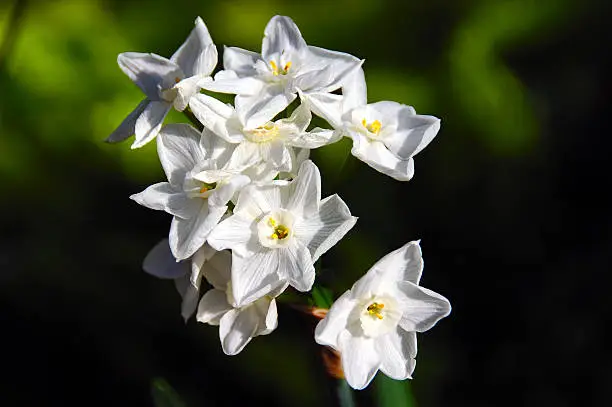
(510, 200)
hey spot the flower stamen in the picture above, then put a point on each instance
(283, 71)
(375, 308)
(373, 127)
(280, 231)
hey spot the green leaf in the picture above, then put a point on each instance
(322, 296)
(164, 395)
(393, 393)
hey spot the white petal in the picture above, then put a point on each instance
(229, 82)
(223, 193)
(256, 110)
(296, 265)
(305, 191)
(163, 197)
(377, 156)
(149, 71)
(149, 122)
(179, 151)
(281, 36)
(360, 361)
(315, 79)
(256, 200)
(186, 89)
(276, 153)
(414, 132)
(160, 262)
(403, 264)
(213, 306)
(217, 270)
(298, 121)
(237, 328)
(329, 328)
(266, 308)
(236, 233)
(197, 55)
(188, 235)
(421, 307)
(397, 351)
(214, 115)
(240, 60)
(128, 125)
(316, 138)
(244, 156)
(342, 64)
(325, 105)
(324, 229)
(354, 91)
(254, 276)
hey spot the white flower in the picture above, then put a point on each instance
(373, 325)
(187, 274)
(165, 82)
(269, 144)
(267, 83)
(198, 187)
(386, 135)
(278, 231)
(237, 325)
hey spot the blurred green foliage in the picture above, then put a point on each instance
(62, 94)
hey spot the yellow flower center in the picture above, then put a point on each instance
(263, 133)
(283, 71)
(373, 127)
(375, 308)
(280, 231)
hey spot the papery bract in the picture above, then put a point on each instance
(373, 325)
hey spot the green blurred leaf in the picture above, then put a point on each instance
(164, 395)
(322, 296)
(393, 393)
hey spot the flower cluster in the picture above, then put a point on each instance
(246, 201)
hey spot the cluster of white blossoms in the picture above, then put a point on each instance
(246, 200)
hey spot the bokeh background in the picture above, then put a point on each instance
(510, 200)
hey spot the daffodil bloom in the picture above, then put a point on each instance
(374, 324)
(386, 135)
(198, 188)
(277, 232)
(165, 83)
(270, 144)
(266, 83)
(237, 325)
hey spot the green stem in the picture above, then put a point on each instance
(345, 394)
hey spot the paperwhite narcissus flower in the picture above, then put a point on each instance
(165, 82)
(269, 144)
(237, 325)
(267, 83)
(278, 231)
(386, 135)
(187, 274)
(198, 188)
(373, 325)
